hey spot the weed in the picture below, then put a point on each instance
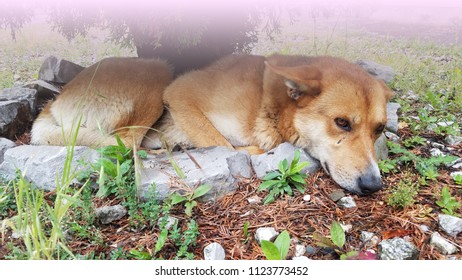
(414, 141)
(402, 195)
(245, 232)
(189, 199)
(388, 165)
(448, 204)
(458, 179)
(277, 250)
(282, 180)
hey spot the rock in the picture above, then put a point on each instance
(436, 152)
(381, 148)
(58, 70)
(458, 165)
(267, 162)
(45, 92)
(300, 258)
(210, 166)
(254, 199)
(300, 250)
(336, 195)
(454, 174)
(397, 249)
(265, 233)
(450, 224)
(307, 197)
(379, 71)
(214, 252)
(347, 202)
(170, 222)
(445, 123)
(42, 164)
(17, 111)
(424, 228)
(5, 144)
(455, 164)
(442, 244)
(310, 250)
(411, 96)
(437, 145)
(109, 214)
(346, 227)
(391, 136)
(392, 117)
(453, 140)
(369, 238)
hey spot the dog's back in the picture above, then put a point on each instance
(120, 96)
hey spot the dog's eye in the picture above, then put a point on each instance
(343, 124)
(380, 129)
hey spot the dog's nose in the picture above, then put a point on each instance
(369, 183)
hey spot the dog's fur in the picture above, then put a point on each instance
(328, 106)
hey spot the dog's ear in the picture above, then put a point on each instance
(304, 80)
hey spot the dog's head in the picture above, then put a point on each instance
(339, 111)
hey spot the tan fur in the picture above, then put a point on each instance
(116, 95)
(241, 101)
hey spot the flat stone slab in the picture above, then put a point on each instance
(42, 165)
(218, 167)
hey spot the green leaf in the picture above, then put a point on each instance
(299, 167)
(268, 199)
(298, 178)
(140, 255)
(161, 240)
(283, 166)
(267, 185)
(271, 175)
(270, 250)
(282, 242)
(201, 190)
(337, 234)
(125, 167)
(189, 206)
(142, 154)
(177, 198)
(109, 167)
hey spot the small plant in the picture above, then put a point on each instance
(449, 205)
(282, 180)
(337, 243)
(189, 199)
(402, 195)
(414, 141)
(388, 165)
(458, 179)
(277, 250)
(245, 232)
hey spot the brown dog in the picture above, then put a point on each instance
(328, 106)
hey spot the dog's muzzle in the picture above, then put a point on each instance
(369, 183)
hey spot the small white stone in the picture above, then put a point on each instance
(299, 250)
(436, 152)
(347, 202)
(346, 228)
(424, 228)
(365, 236)
(254, 199)
(442, 244)
(457, 165)
(214, 251)
(307, 197)
(445, 124)
(265, 233)
(454, 174)
(170, 222)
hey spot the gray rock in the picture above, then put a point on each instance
(267, 162)
(397, 249)
(347, 202)
(336, 195)
(42, 165)
(5, 144)
(369, 238)
(437, 145)
(436, 152)
(392, 117)
(109, 214)
(45, 92)
(379, 71)
(170, 222)
(210, 166)
(443, 245)
(58, 70)
(17, 111)
(445, 123)
(391, 136)
(311, 250)
(450, 224)
(453, 140)
(214, 252)
(458, 165)
(381, 148)
(265, 233)
(454, 174)
(411, 96)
